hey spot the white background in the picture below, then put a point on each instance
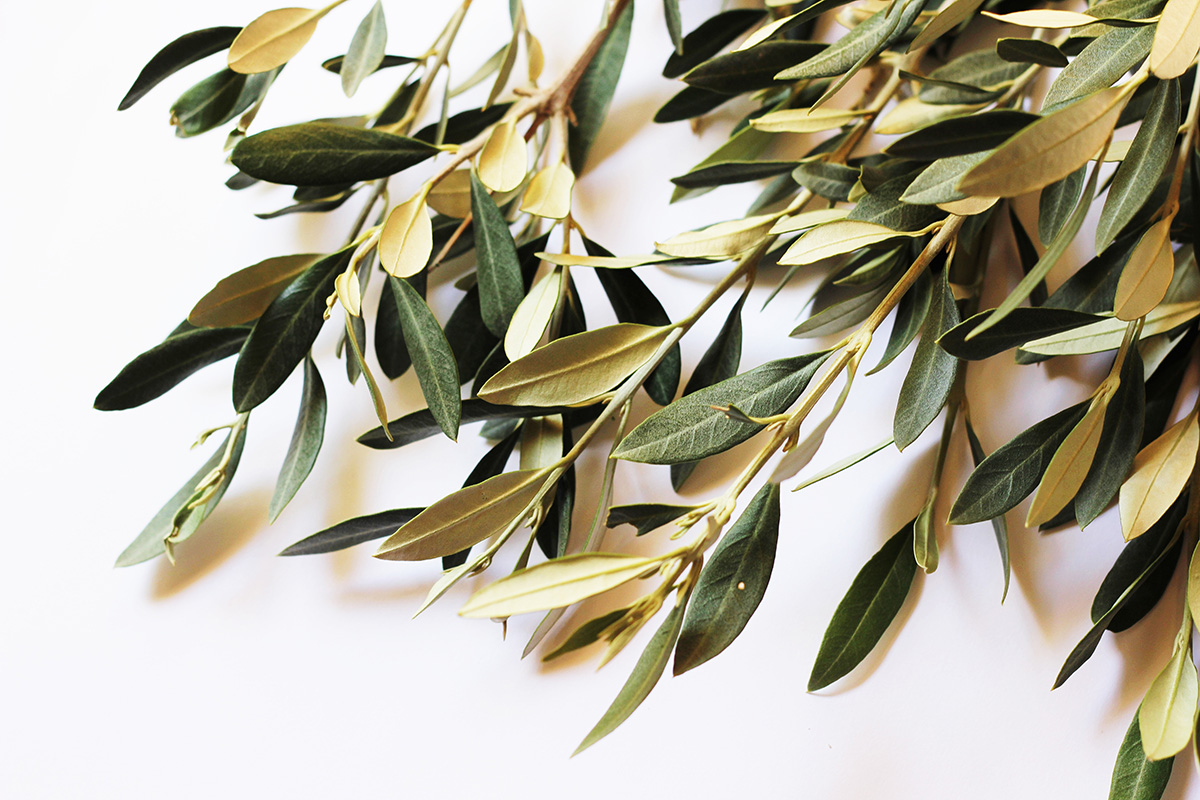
(237, 674)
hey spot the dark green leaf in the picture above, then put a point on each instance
(883, 206)
(595, 91)
(1144, 164)
(465, 125)
(999, 524)
(150, 542)
(645, 674)
(390, 348)
(186, 50)
(1120, 441)
(217, 99)
(398, 106)
(317, 153)
(719, 362)
(1134, 560)
(1100, 64)
(831, 181)
(852, 50)
(431, 355)
(1163, 386)
(752, 69)
(155, 372)
(690, 429)
(501, 287)
(1020, 326)
(873, 601)
(689, 102)
(1030, 51)
(1008, 475)
(932, 373)
(469, 338)
(709, 38)
(309, 207)
(840, 316)
(1135, 777)
(910, 315)
(306, 440)
(732, 172)
(959, 136)
(1057, 201)
(732, 583)
(586, 634)
(285, 332)
(421, 425)
(982, 69)
(352, 532)
(674, 24)
(645, 517)
(334, 64)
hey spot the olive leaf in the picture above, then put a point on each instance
(645, 517)
(158, 370)
(1100, 64)
(557, 583)
(959, 136)
(285, 332)
(216, 100)
(273, 38)
(999, 524)
(432, 358)
(352, 532)
(246, 294)
(709, 38)
(321, 153)
(1021, 325)
(732, 584)
(501, 285)
(421, 424)
(691, 429)
(1167, 715)
(594, 93)
(864, 614)
(750, 69)
(184, 51)
(932, 373)
(1176, 38)
(1069, 465)
(1030, 51)
(306, 440)
(1136, 777)
(1136, 558)
(366, 51)
(1160, 473)
(1119, 442)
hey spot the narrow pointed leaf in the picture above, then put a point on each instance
(554, 584)
(1176, 38)
(596, 88)
(431, 355)
(1119, 442)
(320, 153)
(1167, 715)
(1147, 273)
(246, 294)
(1021, 325)
(501, 287)
(352, 532)
(184, 51)
(933, 370)
(709, 38)
(1160, 473)
(1068, 467)
(421, 424)
(366, 50)
(645, 517)
(306, 441)
(1136, 777)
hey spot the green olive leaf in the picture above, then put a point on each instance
(320, 153)
(1100, 64)
(751, 69)
(709, 38)
(1021, 325)
(501, 287)
(959, 136)
(367, 50)
(1119, 442)
(1030, 51)
(431, 355)
(557, 583)
(216, 100)
(594, 93)
(1136, 777)
(352, 532)
(184, 51)
(306, 440)
(999, 524)
(932, 373)
(864, 614)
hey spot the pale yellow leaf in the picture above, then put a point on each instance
(464, 518)
(1044, 18)
(968, 206)
(575, 368)
(805, 120)
(808, 219)
(271, 40)
(720, 240)
(603, 262)
(1116, 151)
(1147, 274)
(245, 295)
(1069, 466)
(350, 294)
(529, 321)
(541, 441)
(1193, 584)
(1167, 715)
(549, 192)
(1176, 40)
(1049, 149)
(910, 114)
(948, 18)
(764, 33)
(503, 159)
(452, 195)
(1107, 334)
(534, 57)
(837, 238)
(556, 583)
(1160, 473)
(406, 241)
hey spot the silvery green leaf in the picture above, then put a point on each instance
(709, 38)
(366, 50)
(1100, 64)
(306, 440)
(596, 88)
(933, 370)
(1136, 777)
(1056, 203)
(1119, 442)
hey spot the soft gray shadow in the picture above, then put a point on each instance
(229, 528)
(635, 113)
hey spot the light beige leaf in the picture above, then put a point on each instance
(549, 192)
(350, 293)
(764, 33)
(503, 159)
(452, 195)
(1044, 18)
(720, 240)
(837, 238)
(1176, 40)
(1160, 473)
(1193, 584)
(1117, 151)
(910, 114)
(529, 321)
(948, 18)
(1147, 274)
(406, 241)
(575, 368)
(245, 295)
(1107, 334)
(1167, 715)
(271, 40)
(534, 57)
(1069, 466)
(968, 206)
(1049, 149)
(805, 120)
(556, 583)
(603, 262)
(808, 219)
(541, 441)
(464, 518)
